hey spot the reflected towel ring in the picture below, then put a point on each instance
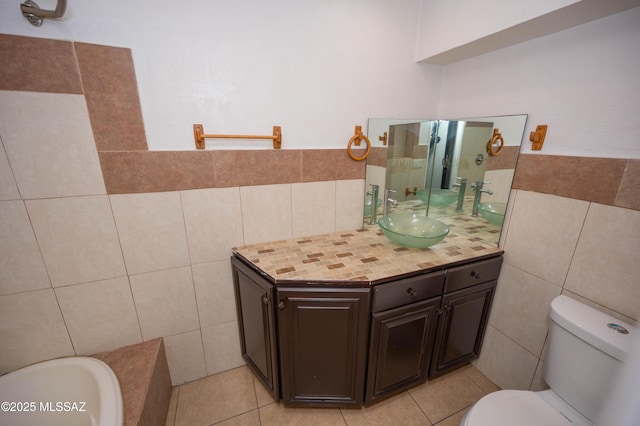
(495, 144)
(357, 138)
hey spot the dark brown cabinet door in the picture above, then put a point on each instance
(256, 319)
(323, 342)
(461, 327)
(400, 349)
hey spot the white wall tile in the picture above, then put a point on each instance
(31, 330)
(213, 220)
(185, 357)
(165, 302)
(505, 362)
(266, 213)
(151, 230)
(78, 238)
(214, 292)
(521, 307)
(21, 264)
(313, 207)
(100, 316)
(604, 265)
(500, 184)
(8, 186)
(57, 157)
(222, 347)
(543, 233)
(350, 204)
(538, 383)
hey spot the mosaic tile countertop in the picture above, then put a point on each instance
(362, 257)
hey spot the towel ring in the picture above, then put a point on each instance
(357, 138)
(495, 144)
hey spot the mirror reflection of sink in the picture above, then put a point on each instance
(493, 211)
(367, 205)
(412, 230)
(439, 197)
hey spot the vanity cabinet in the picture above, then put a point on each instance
(347, 344)
(403, 326)
(323, 333)
(256, 321)
(466, 303)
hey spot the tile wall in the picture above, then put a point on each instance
(105, 244)
(557, 245)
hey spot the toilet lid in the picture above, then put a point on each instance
(511, 407)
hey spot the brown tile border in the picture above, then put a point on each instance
(507, 159)
(127, 172)
(330, 164)
(263, 167)
(38, 65)
(111, 91)
(583, 178)
(377, 157)
(629, 190)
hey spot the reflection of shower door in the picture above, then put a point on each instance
(448, 154)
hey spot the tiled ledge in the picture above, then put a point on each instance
(143, 374)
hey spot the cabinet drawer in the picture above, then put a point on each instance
(472, 274)
(409, 290)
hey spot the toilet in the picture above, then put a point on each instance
(585, 352)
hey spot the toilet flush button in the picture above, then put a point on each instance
(617, 328)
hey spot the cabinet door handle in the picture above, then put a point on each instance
(412, 292)
(281, 305)
(265, 300)
(475, 274)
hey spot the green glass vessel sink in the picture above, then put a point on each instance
(493, 211)
(412, 230)
(439, 197)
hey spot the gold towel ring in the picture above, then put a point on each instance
(496, 142)
(357, 138)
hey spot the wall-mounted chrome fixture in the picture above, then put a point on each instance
(36, 16)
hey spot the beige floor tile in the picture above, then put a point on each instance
(453, 420)
(262, 394)
(398, 410)
(252, 418)
(216, 398)
(173, 405)
(446, 395)
(481, 380)
(278, 415)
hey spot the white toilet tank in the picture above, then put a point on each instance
(584, 354)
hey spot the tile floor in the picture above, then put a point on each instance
(236, 398)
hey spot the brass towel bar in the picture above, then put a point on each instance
(199, 136)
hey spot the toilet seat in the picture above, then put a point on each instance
(522, 408)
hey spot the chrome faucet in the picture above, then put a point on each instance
(463, 188)
(388, 200)
(477, 186)
(374, 203)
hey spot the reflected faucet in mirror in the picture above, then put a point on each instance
(431, 165)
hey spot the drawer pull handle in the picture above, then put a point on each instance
(412, 292)
(475, 274)
(281, 305)
(265, 300)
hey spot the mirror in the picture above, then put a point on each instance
(444, 169)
